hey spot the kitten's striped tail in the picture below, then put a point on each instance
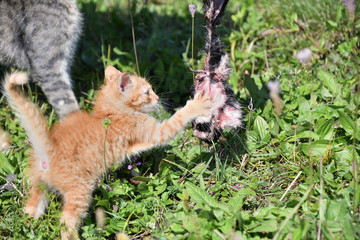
(31, 119)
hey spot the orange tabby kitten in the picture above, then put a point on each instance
(69, 157)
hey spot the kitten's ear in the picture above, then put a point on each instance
(125, 82)
(111, 74)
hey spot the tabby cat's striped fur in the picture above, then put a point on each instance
(40, 36)
(70, 157)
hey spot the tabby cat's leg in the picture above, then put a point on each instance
(57, 87)
(50, 40)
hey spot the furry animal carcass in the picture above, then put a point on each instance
(213, 79)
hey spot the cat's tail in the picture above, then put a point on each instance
(31, 119)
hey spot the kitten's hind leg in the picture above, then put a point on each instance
(75, 207)
(37, 203)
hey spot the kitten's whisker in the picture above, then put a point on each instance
(165, 93)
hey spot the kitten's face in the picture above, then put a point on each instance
(134, 91)
(141, 96)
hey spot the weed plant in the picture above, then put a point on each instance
(292, 175)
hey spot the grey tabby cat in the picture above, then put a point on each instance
(40, 36)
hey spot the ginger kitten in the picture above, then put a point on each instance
(69, 157)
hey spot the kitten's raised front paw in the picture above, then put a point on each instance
(203, 104)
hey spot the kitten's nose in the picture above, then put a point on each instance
(156, 97)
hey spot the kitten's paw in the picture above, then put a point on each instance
(202, 97)
(17, 78)
(30, 210)
(203, 104)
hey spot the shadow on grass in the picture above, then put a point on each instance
(161, 41)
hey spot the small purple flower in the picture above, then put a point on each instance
(138, 163)
(97, 181)
(192, 9)
(130, 167)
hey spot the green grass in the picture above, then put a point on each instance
(287, 176)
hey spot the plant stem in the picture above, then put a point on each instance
(192, 45)
(106, 128)
(321, 213)
(355, 163)
(133, 38)
(127, 221)
(311, 171)
(105, 123)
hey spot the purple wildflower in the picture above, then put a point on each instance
(130, 167)
(138, 163)
(97, 181)
(192, 9)
(350, 7)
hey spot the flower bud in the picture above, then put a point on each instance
(192, 9)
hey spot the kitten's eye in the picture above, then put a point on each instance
(147, 92)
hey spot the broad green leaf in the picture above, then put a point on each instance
(332, 23)
(346, 154)
(266, 226)
(201, 196)
(323, 111)
(105, 203)
(283, 125)
(307, 134)
(227, 228)
(301, 231)
(304, 109)
(338, 216)
(120, 189)
(236, 202)
(324, 128)
(5, 165)
(219, 214)
(261, 127)
(348, 124)
(177, 228)
(318, 148)
(188, 223)
(193, 224)
(160, 189)
(337, 210)
(329, 81)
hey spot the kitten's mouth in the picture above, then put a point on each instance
(149, 108)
